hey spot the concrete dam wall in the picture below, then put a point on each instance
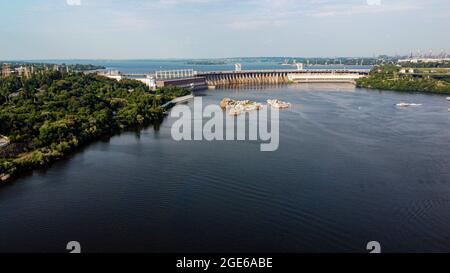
(280, 77)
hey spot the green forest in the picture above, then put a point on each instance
(52, 113)
(388, 77)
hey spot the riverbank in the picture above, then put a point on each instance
(69, 111)
(391, 77)
(44, 157)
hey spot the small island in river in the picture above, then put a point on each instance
(238, 107)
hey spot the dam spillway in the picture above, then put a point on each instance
(220, 78)
(198, 80)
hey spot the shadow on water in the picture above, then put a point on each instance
(65, 159)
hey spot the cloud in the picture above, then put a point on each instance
(374, 2)
(73, 2)
(374, 7)
(256, 23)
(260, 14)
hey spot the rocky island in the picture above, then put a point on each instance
(278, 104)
(238, 107)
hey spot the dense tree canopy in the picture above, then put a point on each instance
(389, 77)
(52, 112)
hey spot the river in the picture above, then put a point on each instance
(351, 168)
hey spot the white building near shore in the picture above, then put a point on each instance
(149, 81)
(112, 74)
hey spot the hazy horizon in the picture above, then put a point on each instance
(217, 29)
(182, 59)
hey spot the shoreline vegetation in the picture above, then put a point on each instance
(46, 114)
(50, 114)
(391, 77)
(61, 67)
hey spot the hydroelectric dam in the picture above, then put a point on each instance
(191, 79)
(219, 78)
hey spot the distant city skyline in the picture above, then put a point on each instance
(175, 29)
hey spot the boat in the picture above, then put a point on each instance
(448, 98)
(405, 104)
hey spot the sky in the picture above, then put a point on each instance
(155, 29)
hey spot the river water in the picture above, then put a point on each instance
(150, 66)
(351, 168)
